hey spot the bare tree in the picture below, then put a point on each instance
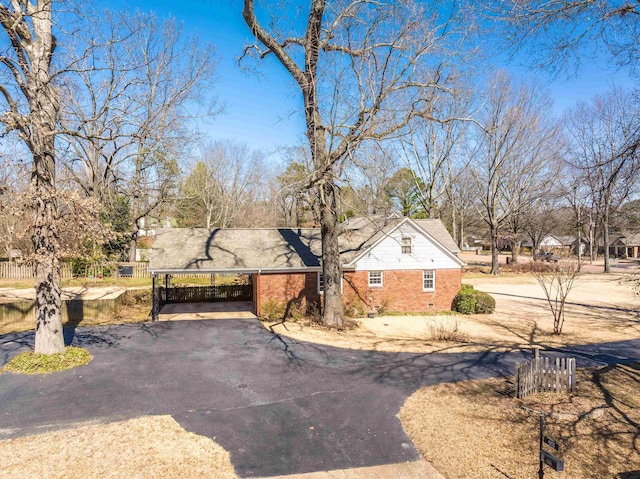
(431, 149)
(557, 280)
(127, 110)
(510, 158)
(30, 107)
(558, 34)
(223, 183)
(369, 178)
(603, 135)
(459, 210)
(364, 69)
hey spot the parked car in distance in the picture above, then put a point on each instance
(546, 256)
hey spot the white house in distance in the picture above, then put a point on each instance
(560, 244)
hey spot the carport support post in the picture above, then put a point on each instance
(154, 299)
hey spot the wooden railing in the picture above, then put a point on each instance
(544, 374)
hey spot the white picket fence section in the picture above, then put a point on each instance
(543, 374)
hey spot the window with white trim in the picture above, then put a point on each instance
(406, 245)
(375, 279)
(428, 280)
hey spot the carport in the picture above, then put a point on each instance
(288, 258)
(200, 301)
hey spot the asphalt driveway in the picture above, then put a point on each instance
(277, 405)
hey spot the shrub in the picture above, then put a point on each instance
(353, 308)
(135, 297)
(466, 301)
(272, 310)
(79, 267)
(471, 301)
(446, 329)
(485, 304)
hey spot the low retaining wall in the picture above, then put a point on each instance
(20, 315)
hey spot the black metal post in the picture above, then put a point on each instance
(154, 299)
(541, 468)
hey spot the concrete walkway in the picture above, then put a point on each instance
(407, 470)
(218, 310)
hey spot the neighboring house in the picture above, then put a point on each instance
(148, 225)
(626, 245)
(559, 244)
(397, 264)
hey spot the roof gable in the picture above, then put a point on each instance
(386, 249)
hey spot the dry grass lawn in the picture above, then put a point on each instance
(471, 430)
(601, 308)
(147, 447)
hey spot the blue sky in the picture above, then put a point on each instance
(264, 110)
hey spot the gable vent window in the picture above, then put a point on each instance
(406, 245)
(375, 278)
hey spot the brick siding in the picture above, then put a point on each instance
(286, 288)
(401, 290)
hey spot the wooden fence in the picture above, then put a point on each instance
(25, 271)
(117, 270)
(98, 270)
(544, 374)
(195, 294)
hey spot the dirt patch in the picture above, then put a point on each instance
(601, 308)
(147, 447)
(471, 430)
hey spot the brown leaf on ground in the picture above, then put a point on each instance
(472, 430)
(146, 447)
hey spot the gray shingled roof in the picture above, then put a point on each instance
(437, 230)
(235, 248)
(630, 239)
(271, 248)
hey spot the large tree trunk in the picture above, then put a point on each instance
(495, 258)
(44, 107)
(333, 311)
(515, 251)
(49, 337)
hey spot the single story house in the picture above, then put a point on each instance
(398, 264)
(560, 244)
(625, 245)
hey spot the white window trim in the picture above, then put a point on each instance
(410, 245)
(375, 285)
(434, 280)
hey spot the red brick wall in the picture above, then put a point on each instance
(283, 288)
(402, 290)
